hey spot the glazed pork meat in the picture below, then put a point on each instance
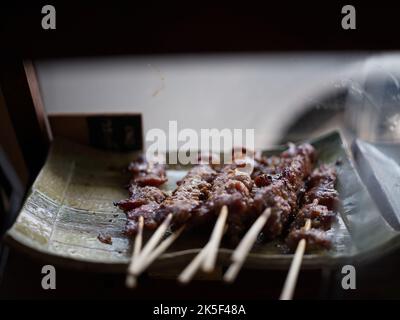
(316, 239)
(189, 196)
(321, 186)
(232, 188)
(147, 173)
(319, 202)
(280, 191)
(286, 183)
(144, 195)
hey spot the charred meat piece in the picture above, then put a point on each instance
(104, 238)
(144, 196)
(316, 239)
(318, 201)
(321, 186)
(140, 196)
(232, 188)
(147, 211)
(147, 173)
(265, 166)
(192, 190)
(280, 191)
(277, 197)
(320, 216)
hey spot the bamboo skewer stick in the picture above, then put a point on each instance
(160, 249)
(188, 273)
(245, 245)
(215, 239)
(139, 258)
(138, 238)
(191, 269)
(291, 279)
(154, 240)
(131, 279)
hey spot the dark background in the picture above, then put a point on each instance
(114, 27)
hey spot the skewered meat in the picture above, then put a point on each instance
(280, 191)
(192, 190)
(232, 188)
(318, 202)
(316, 239)
(276, 184)
(322, 187)
(147, 173)
(144, 196)
(235, 189)
(320, 216)
(282, 183)
(140, 196)
(147, 211)
(265, 165)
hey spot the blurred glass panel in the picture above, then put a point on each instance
(373, 103)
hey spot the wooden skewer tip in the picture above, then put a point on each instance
(245, 245)
(215, 239)
(131, 281)
(159, 250)
(188, 273)
(139, 258)
(291, 279)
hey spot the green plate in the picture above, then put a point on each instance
(71, 202)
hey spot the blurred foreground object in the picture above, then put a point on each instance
(373, 116)
(373, 101)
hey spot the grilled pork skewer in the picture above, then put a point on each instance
(153, 209)
(277, 196)
(320, 198)
(319, 203)
(234, 189)
(144, 197)
(244, 247)
(189, 196)
(178, 209)
(185, 203)
(291, 279)
(201, 195)
(230, 192)
(280, 191)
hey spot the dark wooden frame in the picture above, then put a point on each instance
(20, 87)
